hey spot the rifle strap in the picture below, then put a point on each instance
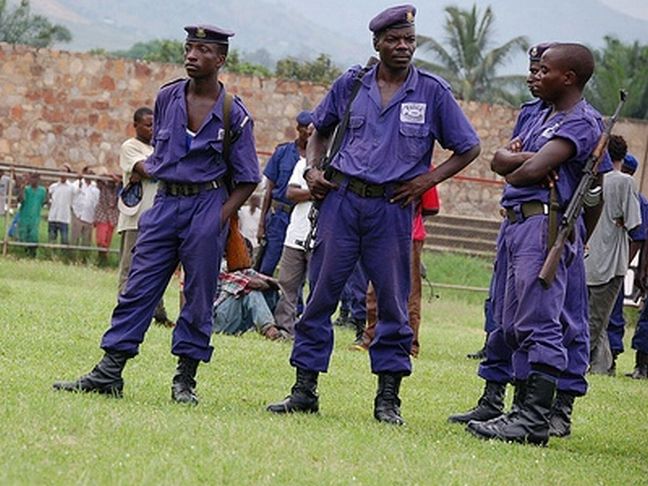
(227, 136)
(338, 136)
(554, 220)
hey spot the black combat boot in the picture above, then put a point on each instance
(641, 367)
(358, 326)
(343, 318)
(387, 403)
(303, 395)
(481, 354)
(560, 416)
(531, 423)
(183, 389)
(105, 378)
(519, 395)
(489, 406)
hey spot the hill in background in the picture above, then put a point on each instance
(267, 30)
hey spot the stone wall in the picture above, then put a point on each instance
(57, 107)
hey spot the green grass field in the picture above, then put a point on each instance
(52, 317)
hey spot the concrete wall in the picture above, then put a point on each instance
(57, 107)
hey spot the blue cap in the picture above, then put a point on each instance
(630, 164)
(130, 198)
(208, 34)
(393, 18)
(536, 52)
(304, 118)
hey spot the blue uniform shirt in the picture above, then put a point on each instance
(528, 112)
(280, 167)
(640, 233)
(174, 160)
(394, 143)
(579, 126)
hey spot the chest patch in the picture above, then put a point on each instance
(413, 112)
(550, 131)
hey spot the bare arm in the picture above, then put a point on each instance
(265, 207)
(315, 150)
(139, 172)
(297, 195)
(506, 161)
(237, 197)
(412, 190)
(537, 168)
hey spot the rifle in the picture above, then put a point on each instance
(571, 215)
(236, 252)
(333, 148)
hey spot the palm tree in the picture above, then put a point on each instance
(620, 65)
(466, 63)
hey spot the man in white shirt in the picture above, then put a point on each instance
(60, 208)
(249, 217)
(132, 151)
(606, 263)
(84, 203)
(294, 258)
(5, 183)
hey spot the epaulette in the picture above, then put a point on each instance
(172, 82)
(531, 103)
(438, 79)
(239, 103)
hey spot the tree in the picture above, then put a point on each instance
(620, 65)
(321, 70)
(158, 50)
(466, 64)
(19, 26)
(235, 64)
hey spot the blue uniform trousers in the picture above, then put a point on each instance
(354, 294)
(640, 338)
(175, 230)
(497, 364)
(506, 360)
(616, 326)
(379, 235)
(276, 224)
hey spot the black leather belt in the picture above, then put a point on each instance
(176, 189)
(526, 210)
(280, 206)
(358, 186)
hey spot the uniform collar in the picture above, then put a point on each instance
(370, 81)
(217, 110)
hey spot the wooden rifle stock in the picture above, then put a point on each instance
(572, 213)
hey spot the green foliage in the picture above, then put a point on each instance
(20, 26)
(158, 50)
(620, 65)
(52, 317)
(234, 64)
(321, 70)
(466, 61)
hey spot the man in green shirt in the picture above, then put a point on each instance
(33, 198)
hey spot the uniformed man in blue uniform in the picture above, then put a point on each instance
(368, 196)
(560, 138)
(276, 207)
(199, 189)
(638, 234)
(497, 369)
